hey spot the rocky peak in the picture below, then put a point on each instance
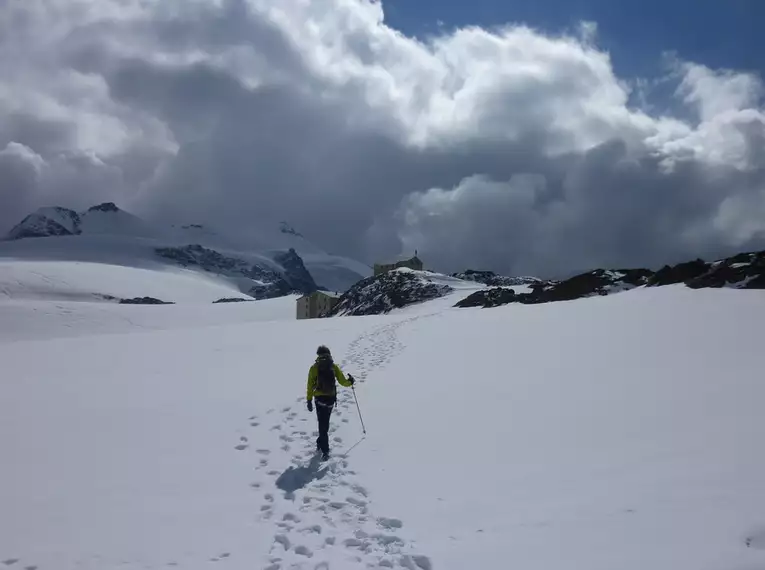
(391, 290)
(295, 271)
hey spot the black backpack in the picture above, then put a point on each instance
(325, 376)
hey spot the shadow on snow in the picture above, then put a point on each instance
(295, 478)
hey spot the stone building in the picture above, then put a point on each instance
(316, 304)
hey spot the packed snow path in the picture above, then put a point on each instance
(324, 518)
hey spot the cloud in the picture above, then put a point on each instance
(507, 148)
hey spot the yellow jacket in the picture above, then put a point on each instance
(313, 376)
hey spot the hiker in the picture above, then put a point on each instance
(321, 385)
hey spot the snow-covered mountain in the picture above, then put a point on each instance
(623, 431)
(250, 262)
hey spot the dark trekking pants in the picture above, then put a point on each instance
(324, 405)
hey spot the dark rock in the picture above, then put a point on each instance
(232, 300)
(144, 301)
(493, 280)
(493, 297)
(598, 282)
(391, 290)
(743, 271)
(669, 275)
(105, 207)
(592, 283)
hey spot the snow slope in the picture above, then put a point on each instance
(614, 432)
(88, 281)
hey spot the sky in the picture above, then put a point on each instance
(537, 138)
(635, 33)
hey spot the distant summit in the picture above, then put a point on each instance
(285, 228)
(57, 221)
(105, 207)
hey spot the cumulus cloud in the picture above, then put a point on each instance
(508, 148)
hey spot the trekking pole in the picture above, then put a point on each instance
(353, 388)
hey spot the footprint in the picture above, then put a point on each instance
(303, 551)
(291, 517)
(255, 485)
(269, 497)
(241, 447)
(356, 502)
(356, 543)
(263, 451)
(389, 523)
(243, 439)
(10, 561)
(253, 418)
(283, 540)
(416, 562)
(285, 447)
(254, 424)
(337, 439)
(263, 462)
(385, 539)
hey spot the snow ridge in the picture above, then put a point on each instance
(322, 512)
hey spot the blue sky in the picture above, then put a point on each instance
(717, 33)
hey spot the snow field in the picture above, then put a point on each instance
(38, 320)
(87, 281)
(616, 432)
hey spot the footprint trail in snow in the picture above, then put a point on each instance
(322, 513)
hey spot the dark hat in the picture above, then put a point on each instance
(322, 350)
